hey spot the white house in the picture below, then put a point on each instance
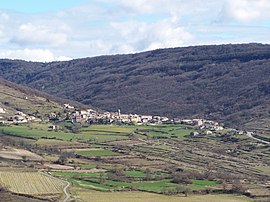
(2, 111)
(68, 106)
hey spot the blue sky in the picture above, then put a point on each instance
(39, 6)
(49, 30)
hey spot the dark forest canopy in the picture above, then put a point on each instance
(229, 83)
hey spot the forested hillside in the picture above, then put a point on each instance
(229, 83)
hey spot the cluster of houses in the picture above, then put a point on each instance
(203, 124)
(20, 117)
(90, 116)
(17, 118)
(2, 119)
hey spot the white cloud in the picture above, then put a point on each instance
(167, 35)
(140, 6)
(178, 7)
(2, 34)
(140, 36)
(247, 10)
(4, 16)
(126, 26)
(29, 34)
(37, 55)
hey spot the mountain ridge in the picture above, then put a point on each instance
(228, 83)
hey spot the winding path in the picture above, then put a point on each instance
(66, 192)
(249, 134)
(65, 188)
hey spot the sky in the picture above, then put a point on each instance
(57, 30)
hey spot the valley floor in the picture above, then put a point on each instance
(122, 163)
(90, 196)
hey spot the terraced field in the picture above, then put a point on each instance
(146, 158)
(137, 182)
(92, 135)
(98, 133)
(31, 183)
(98, 152)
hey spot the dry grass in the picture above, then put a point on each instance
(19, 154)
(143, 197)
(9, 197)
(31, 183)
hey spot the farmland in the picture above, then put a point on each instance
(137, 181)
(130, 159)
(84, 135)
(31, 183)
(142, 197)
(99, 152)
(98, 133)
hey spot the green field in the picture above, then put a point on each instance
(136, 174)
(91, 185)
(108, 129)
(165, 131)
(149, 186)
(100, 138)
(204, 182)
(93, 153)
(74, 174)
(149, 164)
(23, 131)
(95, 133)
(53, 142)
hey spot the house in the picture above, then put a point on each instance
(53, 127)
(198, 122)
(19, 113)
(19, 119)
(209, 132)
(218, 128)
(146, 118)
(124, 118)
(177, 120)
(134, 118)
(194, 134)
(197, 134)
(52, 115)
(32, 119)
(2, 111)
(2, 120)
(164, 119)
(68, 106)
(187, 121)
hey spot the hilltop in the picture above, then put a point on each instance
(227, 83)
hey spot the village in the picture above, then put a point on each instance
(90, 116)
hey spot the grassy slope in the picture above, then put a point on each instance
(14, 98)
